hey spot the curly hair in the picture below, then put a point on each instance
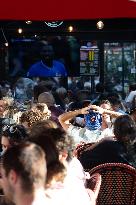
(42, 107)
(62, 140)
(55, 168)
(32, 117)
(59, 136)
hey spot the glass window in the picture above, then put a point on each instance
(119, 65)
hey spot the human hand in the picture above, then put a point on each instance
(94, 187)
(85, 110)
(97, 109)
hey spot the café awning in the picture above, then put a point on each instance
(66, 10)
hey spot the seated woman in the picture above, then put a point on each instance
(65, 175)
(121, 149)
(30, 117)
(12, 135)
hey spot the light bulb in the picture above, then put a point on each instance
(100, 25)
(28, 22)
(70, 28)
(6, 44)
(20, 30)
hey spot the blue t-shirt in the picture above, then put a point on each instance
(39, 69)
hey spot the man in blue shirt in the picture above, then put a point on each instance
(47, 66)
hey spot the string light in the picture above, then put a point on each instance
(28, 22)
(70, 28)
(100, 25)
(20, 30)
(6, 44)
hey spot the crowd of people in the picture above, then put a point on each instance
(43, 126)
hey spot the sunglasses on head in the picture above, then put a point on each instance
(11, 129)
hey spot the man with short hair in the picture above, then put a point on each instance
(47, 66)
(23, 174)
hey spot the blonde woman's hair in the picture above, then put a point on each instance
(33, 116)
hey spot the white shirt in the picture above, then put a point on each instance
(130, 97)
(83, 134)
(73, 189)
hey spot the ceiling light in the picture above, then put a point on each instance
(20, 30)
(70, 28)
(6, 44)
(28, 22)
(100, 24)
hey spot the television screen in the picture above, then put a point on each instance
(27, 57)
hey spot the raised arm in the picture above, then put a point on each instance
(105, 111)
(67, 116)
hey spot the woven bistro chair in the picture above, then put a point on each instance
(118, 186)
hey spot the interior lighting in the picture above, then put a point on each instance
(20, 30)
(70, 28)
(100, 24)
(28, 22)
(6, 44)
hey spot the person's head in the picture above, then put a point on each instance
(62, 92)
(44, 86)
(47, 98)
(106, 119)
(23, 89)
(125, 132)
(132, 87)
(28, 118)
(43, 135)
(40, 126)
(12, 135)
(42, 107)
(46, 51)
(61, 97)
(125, 129)
(23, 170)
(64, 143)
(105, 104)
(115, 102)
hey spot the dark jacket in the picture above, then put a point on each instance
(105, 151)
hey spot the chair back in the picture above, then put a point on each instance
(118, 184)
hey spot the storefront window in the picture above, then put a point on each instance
(119, 65)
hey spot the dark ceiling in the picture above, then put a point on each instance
(116, 27)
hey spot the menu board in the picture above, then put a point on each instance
(89, 61)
